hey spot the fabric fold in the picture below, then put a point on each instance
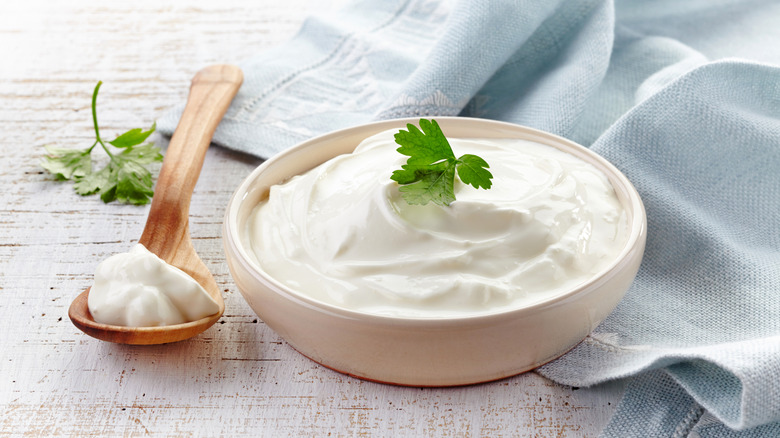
(704, 155)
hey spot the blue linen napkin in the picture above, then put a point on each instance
(683, 97)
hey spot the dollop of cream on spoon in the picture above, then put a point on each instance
(139, 289)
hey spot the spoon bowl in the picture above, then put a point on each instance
(166, 233)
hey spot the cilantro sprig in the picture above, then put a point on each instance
(126, 178)
(429, 172)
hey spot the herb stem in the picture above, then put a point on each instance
(94, 110)
(95, 122)
(89, 149)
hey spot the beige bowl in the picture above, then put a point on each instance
(417, 351)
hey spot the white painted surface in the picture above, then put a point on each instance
(238, 378)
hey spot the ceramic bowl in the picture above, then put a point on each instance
(417, 351)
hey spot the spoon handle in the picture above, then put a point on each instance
(211, 92)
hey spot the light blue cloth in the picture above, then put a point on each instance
(683, 97)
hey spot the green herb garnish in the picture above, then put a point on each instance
(429, 173)
(125, 178)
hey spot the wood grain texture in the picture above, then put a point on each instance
(238, 378)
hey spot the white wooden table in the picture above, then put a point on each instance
(238, 378)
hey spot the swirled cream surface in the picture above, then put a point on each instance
(342, 234)
(139, 289)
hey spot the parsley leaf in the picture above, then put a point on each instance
(133, 183)
(146, 153)
(473, 170)
(133, 137)
(67, 163)
(93, 182)
(426, 147)
(429, 172)
(125, 178)
(433, 186)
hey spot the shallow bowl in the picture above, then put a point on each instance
(420, 351)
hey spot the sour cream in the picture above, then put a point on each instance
(342, 234)
(138, 289)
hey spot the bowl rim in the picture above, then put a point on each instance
(634, 241)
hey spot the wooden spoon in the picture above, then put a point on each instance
(166, 233)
